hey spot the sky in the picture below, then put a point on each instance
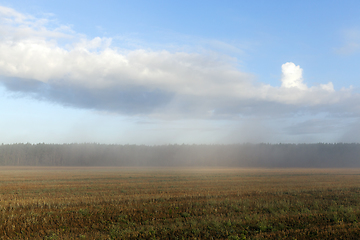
(174, 72)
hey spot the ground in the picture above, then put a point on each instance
(178, 203)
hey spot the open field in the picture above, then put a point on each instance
(178, 203)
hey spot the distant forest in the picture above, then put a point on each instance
(319, 155)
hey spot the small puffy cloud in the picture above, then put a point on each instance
(90, 73)
(292, 76)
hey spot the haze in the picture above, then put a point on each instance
(157, 72)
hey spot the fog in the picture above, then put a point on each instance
(321, 155)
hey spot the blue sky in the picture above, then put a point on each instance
(158, 72)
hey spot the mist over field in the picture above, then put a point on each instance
(319, 155)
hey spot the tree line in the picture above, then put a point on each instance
(320, 155)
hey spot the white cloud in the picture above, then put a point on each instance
(9, 15)
(29, 51)
(292, 76)
(294, 91)
(15, 26)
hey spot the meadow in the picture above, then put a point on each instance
(178, 203)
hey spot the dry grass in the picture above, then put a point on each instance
(165, 203)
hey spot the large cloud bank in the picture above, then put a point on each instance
(59, 65)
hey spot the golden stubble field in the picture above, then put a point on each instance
(178, 203)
